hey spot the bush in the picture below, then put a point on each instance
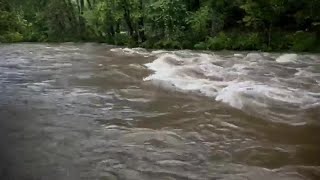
(121, 39)
(131, 42)
(200, 46)
(2, 39)
(168, 44)
(186, 44)
(249, 41)
(149, 44)
(15, 37)
(11, 37)
(303, 41)
(219, 42)
(232, 41)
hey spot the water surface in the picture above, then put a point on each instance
(89, 111)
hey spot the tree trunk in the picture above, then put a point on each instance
(78, 6)
(269, 35)
(89, 4)
(117, 27)
(111, 31)
(81, 6)
(193, 5)
(127, 18)
(196, 5)
(81, 20)
(71, 16)
(141, 24)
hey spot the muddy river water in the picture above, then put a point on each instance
(93, 111)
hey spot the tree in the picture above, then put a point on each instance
(230, 24)
(263, 14)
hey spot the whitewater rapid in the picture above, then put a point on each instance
(262, 84)
(76, 111)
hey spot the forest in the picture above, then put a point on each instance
(266, 25)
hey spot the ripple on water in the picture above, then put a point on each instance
(79, 111)
(242, 85)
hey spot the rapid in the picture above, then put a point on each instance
(92, 111)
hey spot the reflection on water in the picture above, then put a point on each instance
(89, 111)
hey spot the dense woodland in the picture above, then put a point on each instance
(268, 25)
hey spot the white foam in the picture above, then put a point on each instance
(251, 93)
(199, 74)
(157, 52)
(132, 51)
(136, 66)
(253, 57)
(287, 58)
(238, 55)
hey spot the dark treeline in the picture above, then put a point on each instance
(193, 24)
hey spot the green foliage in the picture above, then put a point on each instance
(248, 41)
(61, 21)
(280, 40)
(100, 19)
(168, 17)
(219, 42)
(172, 24)
(200, 46)
(200, 20)
(11, 25)
(121, 39)
(262, 13)
(168, 44)
(235, 40)
(303, 41)
(11, 37)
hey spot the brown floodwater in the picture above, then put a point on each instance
(93, 111)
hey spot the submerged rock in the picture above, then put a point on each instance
(238, 55)
(253, 57)
(286, 58)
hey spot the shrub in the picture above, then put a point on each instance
(249, 41)
(219, 42)
(168, 44)
(186, 44)
(11, 37)
(303, 41)
(121, 39)
(200, 46)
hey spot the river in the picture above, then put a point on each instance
(93, 111)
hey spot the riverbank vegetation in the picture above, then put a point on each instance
(268, 25)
